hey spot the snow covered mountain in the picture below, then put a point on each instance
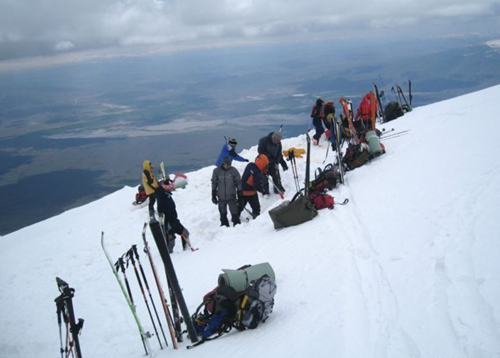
(409, 268)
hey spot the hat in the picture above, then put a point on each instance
(226, 161)
(262, 162)
(319, 101)
(232, 142)
(276, 136)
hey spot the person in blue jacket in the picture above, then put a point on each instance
(229, 150)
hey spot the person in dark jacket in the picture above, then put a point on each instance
(226, 190)
(150, 186)
(252, 182)
(318, 115)
(229, 150)
(171, 222)
(270, 146)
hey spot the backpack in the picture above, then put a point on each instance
(356, 155)
(321, 200)
(141, 195)
(392, 111)
(216, 314)
(256, 304)
(325, 179)
(223, 308)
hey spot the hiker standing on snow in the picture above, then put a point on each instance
(226, 191)
(172, 224)
(229, 150)
(270, 146)
(318, 114)
(150, 185)
(252, 182)
(363, 120)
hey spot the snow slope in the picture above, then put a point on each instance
(409, 268)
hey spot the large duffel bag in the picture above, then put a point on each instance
(293, 212)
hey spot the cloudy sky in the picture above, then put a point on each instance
(53, 27)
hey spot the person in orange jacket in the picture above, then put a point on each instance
(253, 182)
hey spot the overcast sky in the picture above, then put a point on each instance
(103, 27)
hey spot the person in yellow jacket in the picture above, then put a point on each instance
(150, 185)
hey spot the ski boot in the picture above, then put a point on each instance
(235, 219)
(224, 221)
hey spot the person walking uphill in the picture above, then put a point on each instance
(270, 146)
(318, 114)
(150, 186)
(172, 224)
(226, 191)
(252, 182)
(229, 150)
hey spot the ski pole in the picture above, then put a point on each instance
(136, 255)
(282, 196)
(130, 256)
(120, 264)
(394, 136)
(173, 334)
(293, 163)
(67, 294)
(60, 309)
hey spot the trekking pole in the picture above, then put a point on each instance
(130, 255)
(293, 163)
(60, 309)
(160, 289)
(67, 294)
(120, 265)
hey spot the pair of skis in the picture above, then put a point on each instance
(174, 321)
(348, 112)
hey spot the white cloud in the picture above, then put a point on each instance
(64, 46)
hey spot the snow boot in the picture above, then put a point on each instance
(235, 219)
(170, 243)
(224, 221)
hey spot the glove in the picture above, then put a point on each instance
(214, 197)
(284, 165)
(246, 160)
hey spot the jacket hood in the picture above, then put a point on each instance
(262, 162)
(146, 165)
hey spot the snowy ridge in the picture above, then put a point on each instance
(409, 268)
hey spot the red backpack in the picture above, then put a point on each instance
(321, 200)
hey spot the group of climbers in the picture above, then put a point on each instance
(230, 190)
(323, 114)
